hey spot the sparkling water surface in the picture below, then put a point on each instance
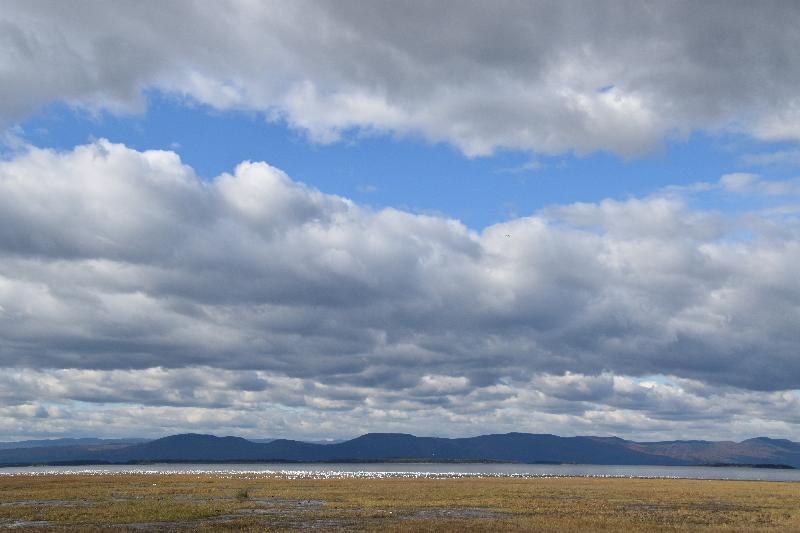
(421, 470)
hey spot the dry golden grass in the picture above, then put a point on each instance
(258, 503)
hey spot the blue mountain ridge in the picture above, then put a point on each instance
(509, 447)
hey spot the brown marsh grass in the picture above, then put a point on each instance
(274, 503)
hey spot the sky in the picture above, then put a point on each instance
(315, 220)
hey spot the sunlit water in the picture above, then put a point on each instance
(421, 470)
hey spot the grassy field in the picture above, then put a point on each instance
(258, 503)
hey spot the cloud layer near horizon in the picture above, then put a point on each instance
(265, 295)
(549, 77)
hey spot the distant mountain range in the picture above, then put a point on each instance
(509, 447)
(66, 442)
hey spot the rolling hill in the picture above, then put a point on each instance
(509, 447)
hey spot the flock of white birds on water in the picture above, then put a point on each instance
(418, 471)
(311, 474)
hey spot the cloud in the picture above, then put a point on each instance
(782, 157)
(129, 284)
(115, 403)
(529, 166)
(547, 77)
(117, 259)
(738, 182)
(367, 189)
(753, 184)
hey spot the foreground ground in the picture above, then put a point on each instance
(263, 502)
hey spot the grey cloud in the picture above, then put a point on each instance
(577, 387)
(207, 399)
(548, 77)
(252, 271)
